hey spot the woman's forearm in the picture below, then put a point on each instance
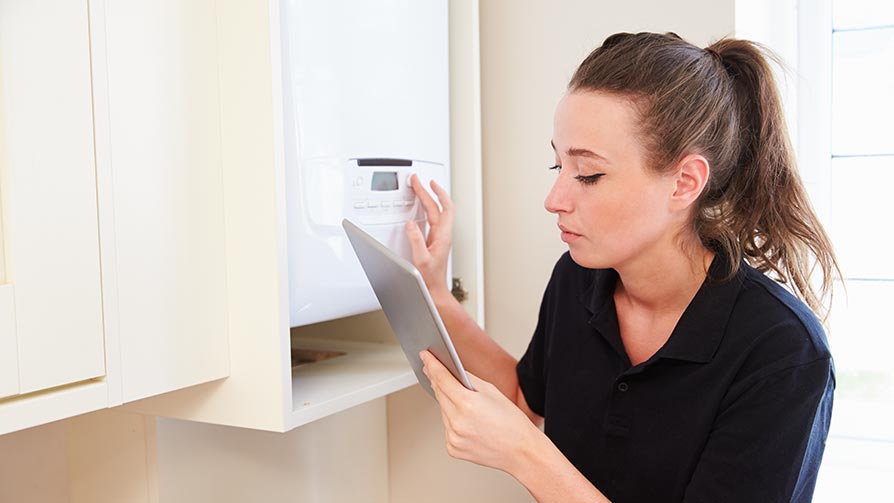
(548, 475)
(480, 354)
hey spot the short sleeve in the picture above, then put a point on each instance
(767, 444)
(532, 368)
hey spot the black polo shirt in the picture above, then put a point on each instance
(734, 407)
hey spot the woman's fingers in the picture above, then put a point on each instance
(442, 381)
(430, 252)
(431, 207)
(442, 233)
(444, 403)
(477, 382)
(443, 197)
(418, 248)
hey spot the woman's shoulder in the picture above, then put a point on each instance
(775, 329)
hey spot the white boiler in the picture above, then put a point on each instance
(366, 104)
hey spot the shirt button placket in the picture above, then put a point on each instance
(619, 413)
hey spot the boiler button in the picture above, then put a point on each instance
(359, 205)
(372, 204)
(386, 204)
(358, 181)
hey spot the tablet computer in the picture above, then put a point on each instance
(407, 304)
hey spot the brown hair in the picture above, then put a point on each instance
(722, 102)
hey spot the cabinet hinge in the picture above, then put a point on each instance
(458, 291)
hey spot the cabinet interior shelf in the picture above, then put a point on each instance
(366, 371)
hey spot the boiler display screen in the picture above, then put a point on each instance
(384, 180)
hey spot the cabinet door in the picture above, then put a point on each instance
(9, 358)
(48, 180)
(165, 152)
(9, 361)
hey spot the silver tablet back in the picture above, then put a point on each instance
(407, 304)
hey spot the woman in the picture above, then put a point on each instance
(666, 364)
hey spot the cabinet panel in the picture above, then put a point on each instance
(164, 136)
(9, 358)
(9, 361)
(50, 217)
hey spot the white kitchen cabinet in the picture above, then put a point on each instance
(9, 359)
(157, 130)
(51, 245)
(159, 150)
(52, 359)
(263, 390)
(113, 278)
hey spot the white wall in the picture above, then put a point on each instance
(102, 457)
(34, 465)
(112, 456)
(342, 458)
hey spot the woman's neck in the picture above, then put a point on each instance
(663, 280)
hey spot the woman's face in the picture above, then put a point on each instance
(611, 209)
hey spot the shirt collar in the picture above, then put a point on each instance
(600, 302)
(701, 327)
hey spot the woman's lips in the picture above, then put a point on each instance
(568, 236)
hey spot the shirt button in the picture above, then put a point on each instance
(623, 386)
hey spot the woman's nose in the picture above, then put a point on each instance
(557, 201)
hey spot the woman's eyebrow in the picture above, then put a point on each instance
(581, 152)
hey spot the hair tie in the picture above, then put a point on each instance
(726, 63)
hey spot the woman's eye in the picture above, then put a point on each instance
(589, 179)
(584, 179)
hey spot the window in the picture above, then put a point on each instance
(846, 57)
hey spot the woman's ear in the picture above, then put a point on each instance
(691, 177)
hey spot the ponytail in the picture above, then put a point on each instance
(722, 102)
(765, 214)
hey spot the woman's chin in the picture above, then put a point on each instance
(586, 259)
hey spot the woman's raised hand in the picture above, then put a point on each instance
(430, 252)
